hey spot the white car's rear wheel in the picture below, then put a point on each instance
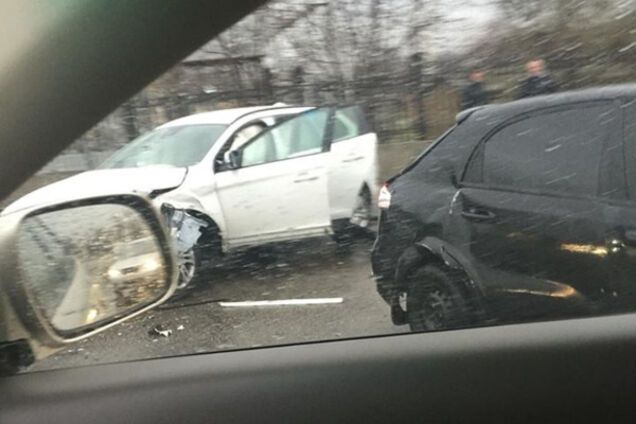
(345, 230)
(361, 216)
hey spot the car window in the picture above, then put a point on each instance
(445, 159)
(455, 165)
(629, 109)
(555, 151)
(175, 146)
(246, 133)
(346, 124)
(295, 137)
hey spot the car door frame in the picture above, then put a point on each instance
(475, 164)
(343, 209)
(620, 207)
(205, 171)
(231, 241)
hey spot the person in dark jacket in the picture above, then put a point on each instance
(474, 93)
(538, 81)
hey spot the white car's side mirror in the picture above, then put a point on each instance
(72, 269)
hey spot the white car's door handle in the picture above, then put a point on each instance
(352, 159)
(302, 179)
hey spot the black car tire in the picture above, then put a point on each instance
(398, 315)
(434, 300)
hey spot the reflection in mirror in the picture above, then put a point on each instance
(90, 264)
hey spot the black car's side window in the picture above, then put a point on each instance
(557, 151)
(629, 130)
(446, 159)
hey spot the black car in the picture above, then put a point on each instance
(521, 211)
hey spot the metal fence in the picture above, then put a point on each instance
(397, 110)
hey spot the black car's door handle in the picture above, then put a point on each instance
(478, 214)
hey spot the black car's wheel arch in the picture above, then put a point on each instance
(435, 251)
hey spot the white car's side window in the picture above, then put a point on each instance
(345, 124)
(260, 151)
(281, 137)
(246, 133)
(299, 136)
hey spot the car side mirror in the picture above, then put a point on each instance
(232, 159)
(76, 268)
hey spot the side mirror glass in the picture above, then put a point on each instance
(82, 267)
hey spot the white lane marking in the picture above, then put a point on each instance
(283, 302)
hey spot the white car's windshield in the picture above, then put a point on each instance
(175, 146)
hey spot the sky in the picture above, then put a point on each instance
(466, 20)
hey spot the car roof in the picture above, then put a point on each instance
(502, 111)
(222, 117)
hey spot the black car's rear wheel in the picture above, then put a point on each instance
(434, 300)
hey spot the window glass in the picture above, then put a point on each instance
(175, 146)
(345, 124)
(630, 145)
(299, 136)
(246, 133)
(557, 151)
(259, 151)
(447, 157)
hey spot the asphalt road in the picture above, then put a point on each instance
(214, 317)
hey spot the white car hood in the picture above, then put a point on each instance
(103, 182)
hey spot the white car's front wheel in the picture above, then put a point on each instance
(187, 267)
(194, 264)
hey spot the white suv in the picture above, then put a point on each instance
(243, 177)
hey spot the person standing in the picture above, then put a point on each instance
(474, 93)
(538, 81)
